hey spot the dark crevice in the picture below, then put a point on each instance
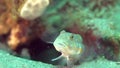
(39, 51)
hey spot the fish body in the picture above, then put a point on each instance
(70, 45)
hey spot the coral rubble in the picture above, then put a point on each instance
(18, 29)
(33, 9)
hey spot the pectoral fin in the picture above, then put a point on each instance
(59, 57)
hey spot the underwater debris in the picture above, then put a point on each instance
(104, 30)
(7, 19)
(18, 35)
(99, 4)
(23, 32)
(70, 45)
(114, 42)
(33, 9)
(18, 30)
